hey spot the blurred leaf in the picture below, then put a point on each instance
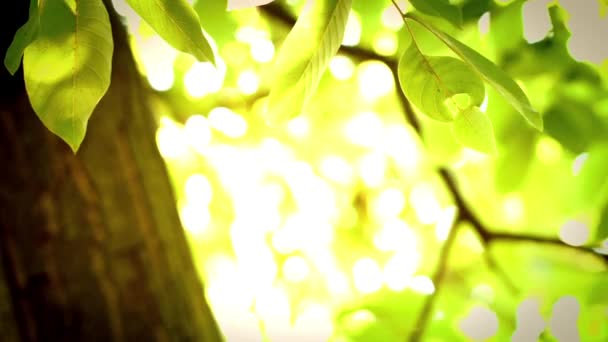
(598, 293)
(177, 23)
(497, 78)
(440, 8)
(506, 26)
(313, 41)
(601, 232)
(429, 82)
(574, 125)
(592, 181)
(216, 21)
(67, 68)
(473, 129)
(23, 37)
(514, 160)
(603, 7)
(240, 4)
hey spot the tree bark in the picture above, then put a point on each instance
(91, 245)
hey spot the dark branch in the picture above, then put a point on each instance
(465, 213)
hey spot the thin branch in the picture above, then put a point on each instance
(465, 213)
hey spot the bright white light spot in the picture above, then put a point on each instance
(480, 324)
(372, 168)
(314, 323)
(537, 23)
(574, 233)
(398, 143)
(578, 163)
(198, 132)
(298, 127)
(395, 235)
(422, 284)
(262, 50)
(170, 140)
(399, 269)
(445, 223)
(195, 217)
(530, 323)
(391, 18)
(564, 319)
(367, 276)
(385, 43)
(548, 150)
(341, 67)
(513, 208)
(202, 79)
(427, 208)
(295, 269)
(375, 79)
(364, 129)
(198, 189)
(272, 303)
(248, 82)
(484, 23)
(483, 292)
(338, 283)
(337, 169)
(228, 122)
(352, 32)
(161, 77)
(389, 203)
(484, 105)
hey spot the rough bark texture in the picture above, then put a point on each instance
(91, 244)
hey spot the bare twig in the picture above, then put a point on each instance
(465, 212)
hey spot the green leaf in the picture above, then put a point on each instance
(431, 83)
(304, 56)
(67, 68)
(440, 8)
(601, 232)
(496, 77)
(23, 37)
(473, 129)
(177, 23)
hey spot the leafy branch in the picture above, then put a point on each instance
(465, 214)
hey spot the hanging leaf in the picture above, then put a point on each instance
(23, 37)
(177, 23)
(241, 4)
(440, 8)
(496, 77)
(431, 83)
(304, 56)
(473, 129)
(67, 68)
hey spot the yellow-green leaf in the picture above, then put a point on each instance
(67, 68)
(23, 37)
(492, 74)
(304, 56)
(440, 8)
(431, 83)
(177, 23)
(473, 129)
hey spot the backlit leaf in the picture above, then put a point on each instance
(177, 23)
(473, 129)
(67, 68)
(304, 56)
(440, 8)
(496, 77)
(23, 37)
(601, 232)
(429, 82)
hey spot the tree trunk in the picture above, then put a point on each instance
(91, 245)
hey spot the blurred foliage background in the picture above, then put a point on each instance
(353, 222)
